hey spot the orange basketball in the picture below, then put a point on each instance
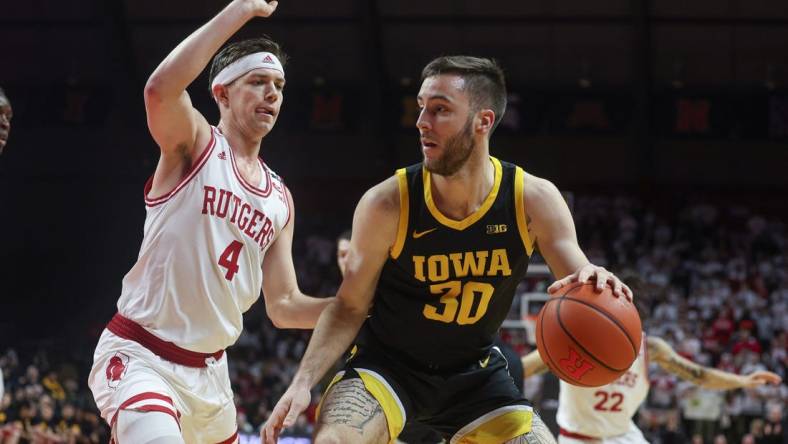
(588, 338)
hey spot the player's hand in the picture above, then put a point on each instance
(600, 275)
(261, 8)
(759, 378)
(293, 402)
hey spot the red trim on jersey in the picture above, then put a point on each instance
(144, 396)
(287, 201)
(128, 329)
(231, 439)
(568, 434)
(196, 166)
(265, 192)
(158, 408)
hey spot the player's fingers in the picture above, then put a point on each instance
(559, 283)
(273, 438)
(755, 382)
(273, 434)
(754, 379)
(618, 288)
(585, 273)
(273, 5)
(274, 422)
(602, 278)
(627, 292)
(769, 377)
(292, 415)
(290, 420)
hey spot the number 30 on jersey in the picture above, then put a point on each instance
(458, 300)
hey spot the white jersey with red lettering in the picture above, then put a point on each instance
(200, 265)
(606, 411)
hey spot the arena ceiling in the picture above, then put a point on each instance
(710, 43)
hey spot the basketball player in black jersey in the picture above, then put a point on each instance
(415, 432)
(436, 253)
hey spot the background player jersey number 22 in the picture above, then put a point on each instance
(229, 259)
(451, 291)
(608, 402)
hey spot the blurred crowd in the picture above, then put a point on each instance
(716, 284)
(47, 404)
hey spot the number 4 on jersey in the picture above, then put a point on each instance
(229, 259)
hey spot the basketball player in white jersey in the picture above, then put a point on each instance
(218, 221)
(603, 415)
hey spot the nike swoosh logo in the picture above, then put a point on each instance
(483, 363)
(417, 234)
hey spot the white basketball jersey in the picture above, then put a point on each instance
(606, 411)
(200, 264)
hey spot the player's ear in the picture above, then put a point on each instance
(485, 121)
(220, 95)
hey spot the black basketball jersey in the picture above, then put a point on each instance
(448, 285)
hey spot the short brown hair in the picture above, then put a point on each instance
(484, 81)
(236, 50)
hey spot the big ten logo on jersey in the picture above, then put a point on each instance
(461, 301)
(497, 229)
(251, 221)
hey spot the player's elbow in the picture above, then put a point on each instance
(350, 312)
(277, 319)
(280, 323)
(154, 90)
(290, 310)
(277, 313)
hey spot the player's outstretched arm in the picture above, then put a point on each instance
(553, 229)
(533, 364)
(285, 304)
(374, 232)
(175, 125)
(664, 355)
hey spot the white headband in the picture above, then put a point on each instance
(245, 64)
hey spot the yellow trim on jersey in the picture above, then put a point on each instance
(478, 214)
(500, 428)
(402, 228)
(392, 408)
(519, 205)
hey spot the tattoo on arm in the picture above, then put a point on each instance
(685, 369)
(349, 403)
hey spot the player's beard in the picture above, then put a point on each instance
(457, 150)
